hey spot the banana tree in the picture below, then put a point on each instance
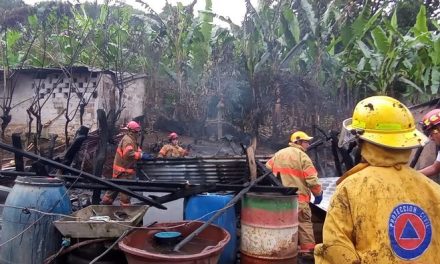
(267, 36)
(382, 61)
(184, 44)
(289, 40)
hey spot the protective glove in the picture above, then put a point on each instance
(146, 156)
(318, 199)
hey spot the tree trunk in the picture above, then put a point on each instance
(101, 153)
(250, 152)
(53, 138)
(16, 142)
(276, 119)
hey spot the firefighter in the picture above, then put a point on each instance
(431, 128)
(172, 149)
(296, 170)
(383, 211)
(127, 153)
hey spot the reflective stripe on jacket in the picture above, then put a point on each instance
(296, 170)
(127, 153)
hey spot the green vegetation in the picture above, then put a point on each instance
(291, 64)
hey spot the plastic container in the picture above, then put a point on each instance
(168, 238)
(98, 221)
(269, 229)
(40, 239)
(201, 205)
(140, 246)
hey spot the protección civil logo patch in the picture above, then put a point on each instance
(409, 230)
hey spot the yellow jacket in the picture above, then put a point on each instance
(296, 170)
(383, 212)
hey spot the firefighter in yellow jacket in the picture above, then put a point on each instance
(383, 211)
(127, 153)
(296, 170)
(172, 150)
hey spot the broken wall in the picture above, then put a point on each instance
(96, 88)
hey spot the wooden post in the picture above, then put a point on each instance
(276, 118)
(220, 112)
(101, 153)
(53, 138)
(250, 152)
(16, 142)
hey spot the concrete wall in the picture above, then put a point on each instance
(96, 87)
(133, 97)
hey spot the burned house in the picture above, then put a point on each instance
(56, 92)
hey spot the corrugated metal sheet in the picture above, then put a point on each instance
(197, 170)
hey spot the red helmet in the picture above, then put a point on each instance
(430, 120)
(133, 125)
(173, 135)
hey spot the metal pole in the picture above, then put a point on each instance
(416, 157)
(218, 213)
(89, 176)
(158, 186)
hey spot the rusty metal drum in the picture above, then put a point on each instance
(269, 228)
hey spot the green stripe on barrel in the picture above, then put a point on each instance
(270, 204)
(269, 230)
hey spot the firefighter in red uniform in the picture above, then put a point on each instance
(297, 170)
(431, 128)
(172, 150)
(127, 153)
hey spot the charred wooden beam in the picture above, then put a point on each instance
(147, 186)
(81, 135)
(84, 174)
(93, 186)
(227, 187)
(176, 190)
(123, 182)
(53, 138)
(16, 142)
(101, 153)
(270, 177)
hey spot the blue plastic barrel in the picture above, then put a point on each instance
(41, 239)
(199, 205)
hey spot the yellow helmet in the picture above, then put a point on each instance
(384, 121)
(299, 135)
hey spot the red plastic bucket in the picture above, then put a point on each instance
(140, 246)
